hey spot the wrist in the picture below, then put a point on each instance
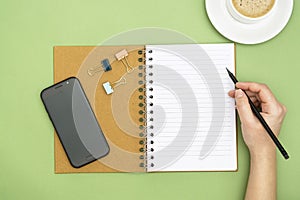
(265, 153)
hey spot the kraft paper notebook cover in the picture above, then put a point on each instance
(168, 110)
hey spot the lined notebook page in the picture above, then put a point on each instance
(191, 123)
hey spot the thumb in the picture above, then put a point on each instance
(243, 106)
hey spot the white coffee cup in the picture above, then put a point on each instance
(247, 19)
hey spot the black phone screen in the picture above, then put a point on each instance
(74, 122)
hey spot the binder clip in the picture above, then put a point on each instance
(122, 56)
(105, 66)
(109, 88)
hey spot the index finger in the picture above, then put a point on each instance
(262, 90)
(269, 103)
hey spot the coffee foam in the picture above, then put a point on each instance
(253, 8)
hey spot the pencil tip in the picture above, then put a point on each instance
(228, 70)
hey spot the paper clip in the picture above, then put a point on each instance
(105, 66)
(122, 55)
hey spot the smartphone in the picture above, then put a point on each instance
(75, 122)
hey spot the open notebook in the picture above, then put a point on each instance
(169, 109)
(191, 122)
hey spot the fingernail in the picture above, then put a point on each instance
(239, 93)
(230, 92)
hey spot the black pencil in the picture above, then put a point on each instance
(262, 121)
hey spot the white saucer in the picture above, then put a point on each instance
(248, 33)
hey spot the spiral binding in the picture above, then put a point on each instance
(146, 101)
(142, 113)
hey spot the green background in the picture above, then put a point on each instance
(30, 29)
